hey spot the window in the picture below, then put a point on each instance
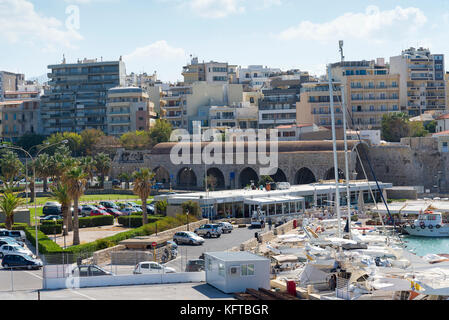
(247, 270)
(145, 266)
(209, 264)
(221, 269)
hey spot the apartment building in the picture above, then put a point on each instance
(181, 104)
(19, 114)
(293, 132)
(76, 100)
(256, 77)
(10, 81)
(210, 72)
(278, 105)
(422, 83)
(314, 105)
(370, 91)
(225, 117)
(129, 109)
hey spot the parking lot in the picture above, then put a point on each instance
(23, 284)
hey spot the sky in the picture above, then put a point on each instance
(160, 35)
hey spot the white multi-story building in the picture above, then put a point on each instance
(256, 76)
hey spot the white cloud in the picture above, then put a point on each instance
(217, 9)
(373, 24)
(159, 56)
(20, 23)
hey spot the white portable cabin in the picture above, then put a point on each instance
(232, 272)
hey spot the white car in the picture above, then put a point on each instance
(128, 211)
(8, 248)
(152, 267)
(226, 227)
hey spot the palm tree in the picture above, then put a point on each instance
(143, 181)
(124, 176)
(75, 180)
(103, 165)
(88, 165)
(61, 194)
(11, 168)
(43, 166)
(8, 204)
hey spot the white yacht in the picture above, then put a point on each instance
(428, 224)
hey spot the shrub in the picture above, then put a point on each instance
(16, 226)
(91, 222)
(104, 244)
(46, 245)
(50, 229)
(355, 218)
(161, 207)
(135, 221)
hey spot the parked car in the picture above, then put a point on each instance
(152, 267)
(209, 230)
(51, 208)
(49, 218)
(14, 248)
(226, 227)
(114, 212)
(98, 212)
(128, 211)
(158, 186)
(150, 209)
(135, 206)
(174, 249)
(21, 261)
(87, 209)
(15, 234)
(99, 206)
(90, 271)
(195, 265)
(10, 241)
(116, 183)
(109, 205)
(186, 237)
(79, 210)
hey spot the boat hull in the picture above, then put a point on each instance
(430, 233)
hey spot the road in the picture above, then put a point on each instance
(23, 284)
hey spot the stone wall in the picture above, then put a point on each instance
(104, 256)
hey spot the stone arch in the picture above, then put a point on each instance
(279, 176)
(218, 175)
(161, 175)
(246, 176)
(187, 177)
(330, 174)
(304, 176)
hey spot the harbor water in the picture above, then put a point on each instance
(422, 246)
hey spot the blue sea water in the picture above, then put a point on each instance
(422, 246)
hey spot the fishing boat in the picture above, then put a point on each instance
(428, 224)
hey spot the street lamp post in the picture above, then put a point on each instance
(64, 227)
(34, 179)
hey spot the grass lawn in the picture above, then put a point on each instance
(98, 198)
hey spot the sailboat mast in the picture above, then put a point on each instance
(343, 108)
(334, 141)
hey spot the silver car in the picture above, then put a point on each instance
(209, 230)
(186, 237)
(226, 227)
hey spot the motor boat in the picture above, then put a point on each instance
(428, 224)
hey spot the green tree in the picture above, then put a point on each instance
(88, 165)
(431, 126)
(8, 204)
(137, 140)
(89, 139)
(191, 207)
(11, 168)
(74, 142)
(75, 180)
(395, 126)
(417, 129)
(30, 140)
(60, 193)
(103, 165)
(143, 181)
(160, 132)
